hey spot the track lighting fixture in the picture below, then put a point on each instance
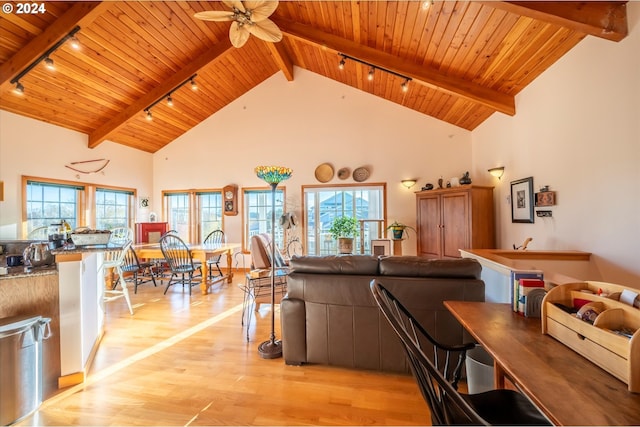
(404, 86)
(75, 43)
(45, 57)
(48, 62)
(168, 96)
(370, 76)
(427, 4)
(19, 89)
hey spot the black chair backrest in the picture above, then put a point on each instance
(216, 236)
(437, 378)
(176, 253)
(131, 262)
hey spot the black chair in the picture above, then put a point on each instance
(180, 262)
(216, 237)
(142, 272)
(438, 376)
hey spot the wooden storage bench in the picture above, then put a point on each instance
(617, 354)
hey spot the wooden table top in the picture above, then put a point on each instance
(567, 387)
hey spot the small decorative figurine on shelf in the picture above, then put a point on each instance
(465, 179)
(440, 181)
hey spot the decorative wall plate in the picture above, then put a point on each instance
(360, 174)
(324, 172)
(344, 173)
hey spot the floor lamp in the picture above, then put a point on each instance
(272, 175)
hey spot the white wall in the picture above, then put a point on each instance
(307, 122)
(577, 129)
(34, 148)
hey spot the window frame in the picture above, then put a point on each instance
(194, 226)
(245, 208)
(86, 209)
(341, 187)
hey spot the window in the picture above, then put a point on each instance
(113, 208)
(210, 207)
(177, 207)
(193, 214)
(50, 202)
(257, 213)
(323, 204)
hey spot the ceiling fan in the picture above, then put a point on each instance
(249, 17)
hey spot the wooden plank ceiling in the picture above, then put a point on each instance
(467, 60)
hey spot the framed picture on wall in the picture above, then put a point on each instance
(522, 200)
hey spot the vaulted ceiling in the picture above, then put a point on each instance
(466, 59)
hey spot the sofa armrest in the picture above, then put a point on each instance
(294, 332)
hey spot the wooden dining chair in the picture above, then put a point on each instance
(180, 262)
(437, 375)
(215, 237)
(114, 259)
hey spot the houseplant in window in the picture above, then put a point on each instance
(398, 230)
(344, 229)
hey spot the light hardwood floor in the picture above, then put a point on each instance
(183, 360)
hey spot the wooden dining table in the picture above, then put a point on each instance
(199, 252)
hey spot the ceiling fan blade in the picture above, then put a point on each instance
(266, 30)
(261, 10)
(214, 15)
(238, 34)
(234, 4)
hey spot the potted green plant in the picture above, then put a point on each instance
(344, 229)
(398, 230)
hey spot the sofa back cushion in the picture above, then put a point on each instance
(413, 266)
(335, 264)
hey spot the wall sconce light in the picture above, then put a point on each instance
(408, 183)
(497, 172)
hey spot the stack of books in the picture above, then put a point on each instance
(523, 282)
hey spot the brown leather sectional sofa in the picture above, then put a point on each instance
(330, 317)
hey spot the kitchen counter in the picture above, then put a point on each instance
(22, 271)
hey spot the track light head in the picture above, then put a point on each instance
(48, 62)
(19, 89)
(341, 64)
(169, 101)
(149, 115)
(371, 71)
(194, 85)
(405, 86)
(75, 43)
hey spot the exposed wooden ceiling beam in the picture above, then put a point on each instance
(493, 99)
(604, 19)
(282, 59)
(82, 14)
(106, 130)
